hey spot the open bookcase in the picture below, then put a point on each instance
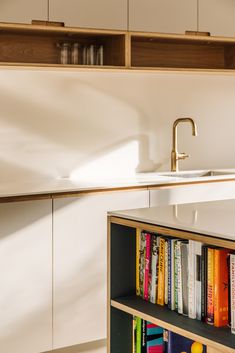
(39, 45)
(123, 302)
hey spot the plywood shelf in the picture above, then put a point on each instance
(220, 338)
(27, 45)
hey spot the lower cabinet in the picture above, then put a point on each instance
(80, 268)
(26, 277)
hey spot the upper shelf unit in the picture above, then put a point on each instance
(43, 45)
(51, 46)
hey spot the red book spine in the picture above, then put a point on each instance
(220, 287)
(147, 264)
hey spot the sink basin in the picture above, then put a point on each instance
(199, 174)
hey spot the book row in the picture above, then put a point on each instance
(189, 277)
(149, 338)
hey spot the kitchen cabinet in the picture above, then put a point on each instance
(217, 17)
(26, 277)
(80, 270)
(109, 14)
(169, 16)
(23, 11)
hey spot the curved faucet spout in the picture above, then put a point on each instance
(175, 155)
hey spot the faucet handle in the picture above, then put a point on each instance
(183, 155)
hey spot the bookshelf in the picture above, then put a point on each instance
(38, 45)
(123, 302)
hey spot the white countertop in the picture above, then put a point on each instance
(20, 188)
(214, 218)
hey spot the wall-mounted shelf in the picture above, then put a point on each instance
(38, 45)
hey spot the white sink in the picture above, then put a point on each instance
(200, 173)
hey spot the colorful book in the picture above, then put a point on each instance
(172, 273)
(147, 266)
(154, 262)
(176, 272)
(154, 338)
(179, 344)
(142, 263)
(169, 274)
(220, 287)
(144, 337)
(210, 287)
(134, 326)
(161, 273)
(166, 272)
(232, 291)
(138, 334)
(138, 236)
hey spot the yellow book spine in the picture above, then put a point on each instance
(161, 273)
(138, 234)
(210, 287)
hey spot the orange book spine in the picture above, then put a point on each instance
(161, 273)
(220, 287)
(210, 287)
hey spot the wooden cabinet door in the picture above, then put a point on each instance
(23, 11)
(80, 266)
(169, 16)
(26, 277)
(108, 14)
(217, 17)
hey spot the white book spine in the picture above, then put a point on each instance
(198, 283)
(166, 272)
(232, 291)
(179, 269)
(191, 281)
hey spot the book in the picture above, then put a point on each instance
(142, 263)
(134, 326)
(169, 274)
(210, 287)
(154, 338)
(176, 272)
(179, 277)
(191, 281)
(144, 336)
(138, 235)
(146, 267)
(184, 274)
(138, 334)
(166, 272)
(198, 281)
(204, 283)
(154, 262)
(232, 291)
(179, 344)
(220, 287)
(161, 273)
(172, 274)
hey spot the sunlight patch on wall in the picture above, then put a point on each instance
(117, 164)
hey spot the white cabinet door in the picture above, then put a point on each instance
(109, 14)
(217, 17)
(169, 16)
(26, 277)
(80, 270)
(23, 11)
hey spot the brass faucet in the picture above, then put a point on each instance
(175, 155)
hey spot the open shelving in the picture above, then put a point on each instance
(123, 302)
(37, 45)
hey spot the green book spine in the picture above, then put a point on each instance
(138, 335)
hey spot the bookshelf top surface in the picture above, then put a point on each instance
(214, 218)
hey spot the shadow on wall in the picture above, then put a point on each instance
(58, 123)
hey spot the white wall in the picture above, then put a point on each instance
(54, 123)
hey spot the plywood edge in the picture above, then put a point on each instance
(177, 233)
